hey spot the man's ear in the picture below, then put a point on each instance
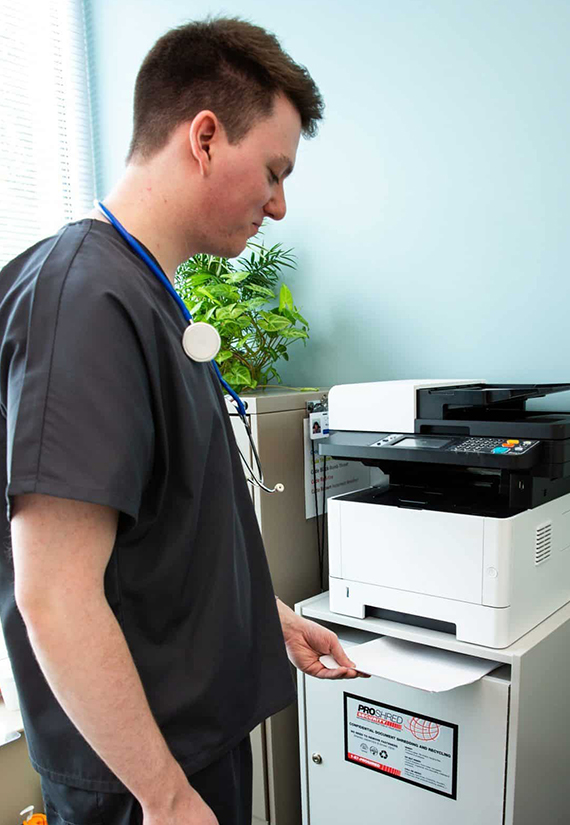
(205, 130)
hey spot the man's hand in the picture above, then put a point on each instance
(306, 641)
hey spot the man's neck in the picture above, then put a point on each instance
(147, 210)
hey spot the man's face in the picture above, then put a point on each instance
(246, 180)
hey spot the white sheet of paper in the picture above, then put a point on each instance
(419, 666)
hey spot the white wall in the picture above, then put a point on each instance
(431, 214)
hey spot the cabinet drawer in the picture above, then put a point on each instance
(362, 771)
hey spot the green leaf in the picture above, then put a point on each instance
(230, 328)
(299, 317)
(235, 277)
(286, 313)
(285, 298)
(230, 312)
(198, 280)
(270, 322)
(216, 291)
(203, 292)
(294, 333)
(223, 355)
(193, 309)
(253, 304)
(261, 290)
(238, 374)
(241, 342)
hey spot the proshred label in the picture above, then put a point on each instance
(407, 746)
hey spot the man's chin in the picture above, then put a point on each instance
(226, 249)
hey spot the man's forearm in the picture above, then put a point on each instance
(86, 661)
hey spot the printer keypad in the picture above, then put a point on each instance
(498, 446)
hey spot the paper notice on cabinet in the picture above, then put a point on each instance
(419, 666)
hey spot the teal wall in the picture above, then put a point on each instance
(430, 216)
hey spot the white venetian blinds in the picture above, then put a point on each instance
(46, 159)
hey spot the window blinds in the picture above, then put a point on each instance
(46, 160)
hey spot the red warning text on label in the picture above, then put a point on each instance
(362, 760)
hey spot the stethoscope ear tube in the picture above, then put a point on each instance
(253, 480)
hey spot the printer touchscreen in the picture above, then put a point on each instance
(422, 443)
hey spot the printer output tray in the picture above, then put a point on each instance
(477, 499)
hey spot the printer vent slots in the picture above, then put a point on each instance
(543, 546)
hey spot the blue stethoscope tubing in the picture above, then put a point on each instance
(157, 271)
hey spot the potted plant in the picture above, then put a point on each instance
(238, 299)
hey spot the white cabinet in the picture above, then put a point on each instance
(508, 742)
(345, 791)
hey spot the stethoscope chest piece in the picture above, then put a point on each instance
(201, 341)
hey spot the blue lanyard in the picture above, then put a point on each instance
(156, 270)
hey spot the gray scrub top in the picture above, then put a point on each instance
(99, 403)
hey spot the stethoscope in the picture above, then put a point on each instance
(201, 342)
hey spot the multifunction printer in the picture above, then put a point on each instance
(468, 529)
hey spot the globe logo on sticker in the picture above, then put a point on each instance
(422, 729)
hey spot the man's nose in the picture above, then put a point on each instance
(277, 208)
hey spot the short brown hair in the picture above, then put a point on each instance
(227, 65)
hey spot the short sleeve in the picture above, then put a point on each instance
(79, 409)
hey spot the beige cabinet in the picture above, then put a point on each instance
(19, 783)
(276, 421)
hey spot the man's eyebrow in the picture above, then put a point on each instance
(283, 160)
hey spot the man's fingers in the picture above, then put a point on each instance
(336, 673)
(340, 656)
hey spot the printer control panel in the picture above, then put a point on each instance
(499, 446)
(456, 444)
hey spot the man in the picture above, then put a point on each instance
(136, 602)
